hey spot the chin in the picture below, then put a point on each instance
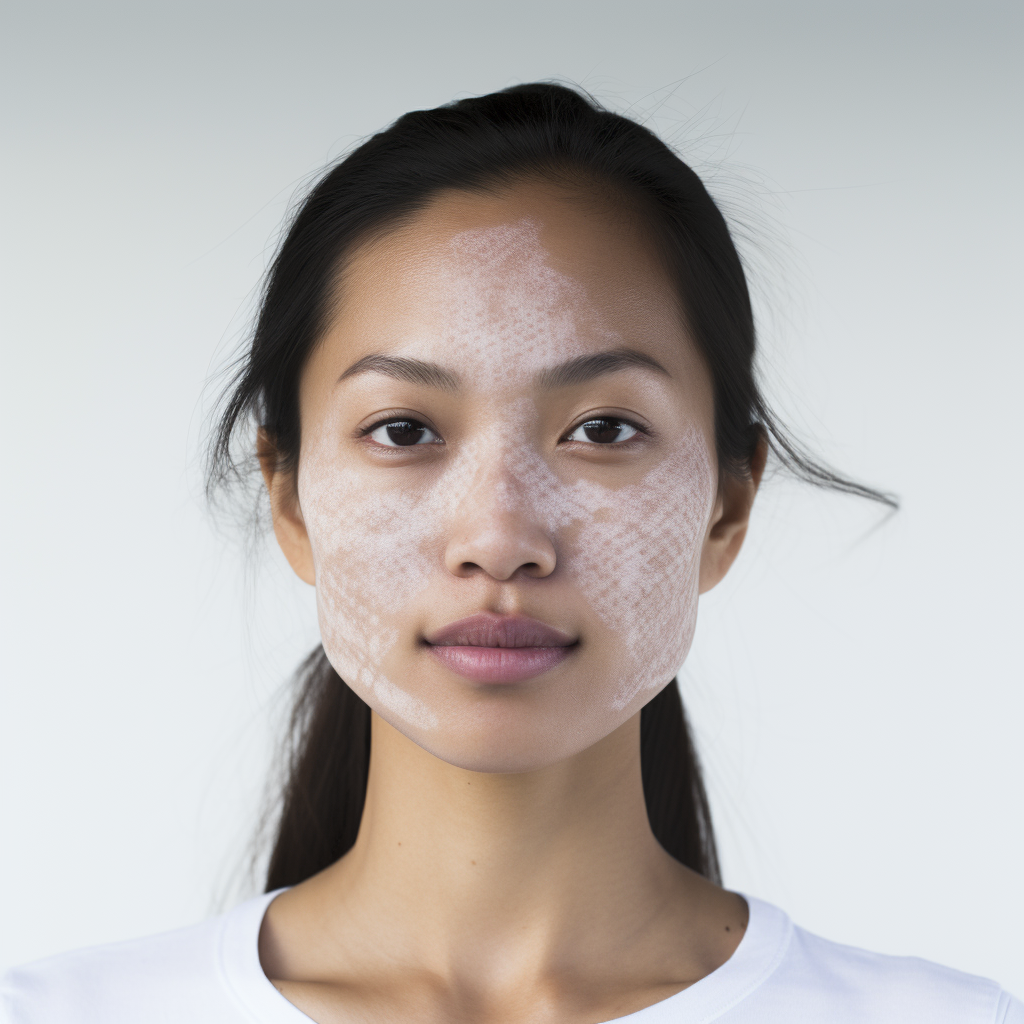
(511, 739)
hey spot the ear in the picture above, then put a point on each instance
(729, 519)
(289, 526)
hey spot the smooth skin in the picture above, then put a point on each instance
(536, 896)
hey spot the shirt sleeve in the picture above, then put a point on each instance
(1009, 1010)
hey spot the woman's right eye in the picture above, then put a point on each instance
(402, 434)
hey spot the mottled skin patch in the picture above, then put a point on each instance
(632, 553)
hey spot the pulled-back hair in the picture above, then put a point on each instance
(487, 144)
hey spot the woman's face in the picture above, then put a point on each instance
(506, 478)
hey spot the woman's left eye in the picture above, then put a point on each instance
(603, 430)
(402, 433)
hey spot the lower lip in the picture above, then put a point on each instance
(500, 664)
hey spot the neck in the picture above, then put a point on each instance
(488, 852)
(501, 878)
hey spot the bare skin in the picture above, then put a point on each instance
(530, 895)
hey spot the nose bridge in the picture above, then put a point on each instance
(505, 470)
(498, 525)
(512, 476)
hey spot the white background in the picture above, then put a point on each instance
(858, 694)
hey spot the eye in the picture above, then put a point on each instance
(603, 430)
(402, 434)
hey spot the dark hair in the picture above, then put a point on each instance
(486, 144)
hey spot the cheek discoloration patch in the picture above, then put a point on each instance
(636, 560)
(632, 553)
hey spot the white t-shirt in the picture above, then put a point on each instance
(779, 974)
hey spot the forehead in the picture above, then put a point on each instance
(499, 287)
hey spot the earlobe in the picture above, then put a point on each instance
(289, 526)
(730, 518)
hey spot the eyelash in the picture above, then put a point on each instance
(624, 420)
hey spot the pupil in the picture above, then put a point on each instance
(405, 432)
(602, 431)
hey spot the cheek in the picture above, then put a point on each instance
(373, 554)
(631, 555)
(634, 554)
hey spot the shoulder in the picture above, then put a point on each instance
(832, 981)
(174, 976)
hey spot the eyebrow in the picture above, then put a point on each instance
(571, 373)
(585, 368)
(412, 371)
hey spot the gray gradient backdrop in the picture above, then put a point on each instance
(857, 691)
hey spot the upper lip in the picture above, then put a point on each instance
(487, 629)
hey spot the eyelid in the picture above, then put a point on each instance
(634, 421)
(391, 416)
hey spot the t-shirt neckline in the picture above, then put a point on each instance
(755, 958)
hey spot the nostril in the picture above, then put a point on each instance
(524, 568)
(501, 550)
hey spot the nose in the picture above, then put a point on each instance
(498, 536)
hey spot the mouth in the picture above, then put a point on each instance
(489, 648)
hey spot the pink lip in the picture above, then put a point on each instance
(492, 648)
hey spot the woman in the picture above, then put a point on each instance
(509, 430)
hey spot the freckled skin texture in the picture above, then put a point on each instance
(504, 860)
